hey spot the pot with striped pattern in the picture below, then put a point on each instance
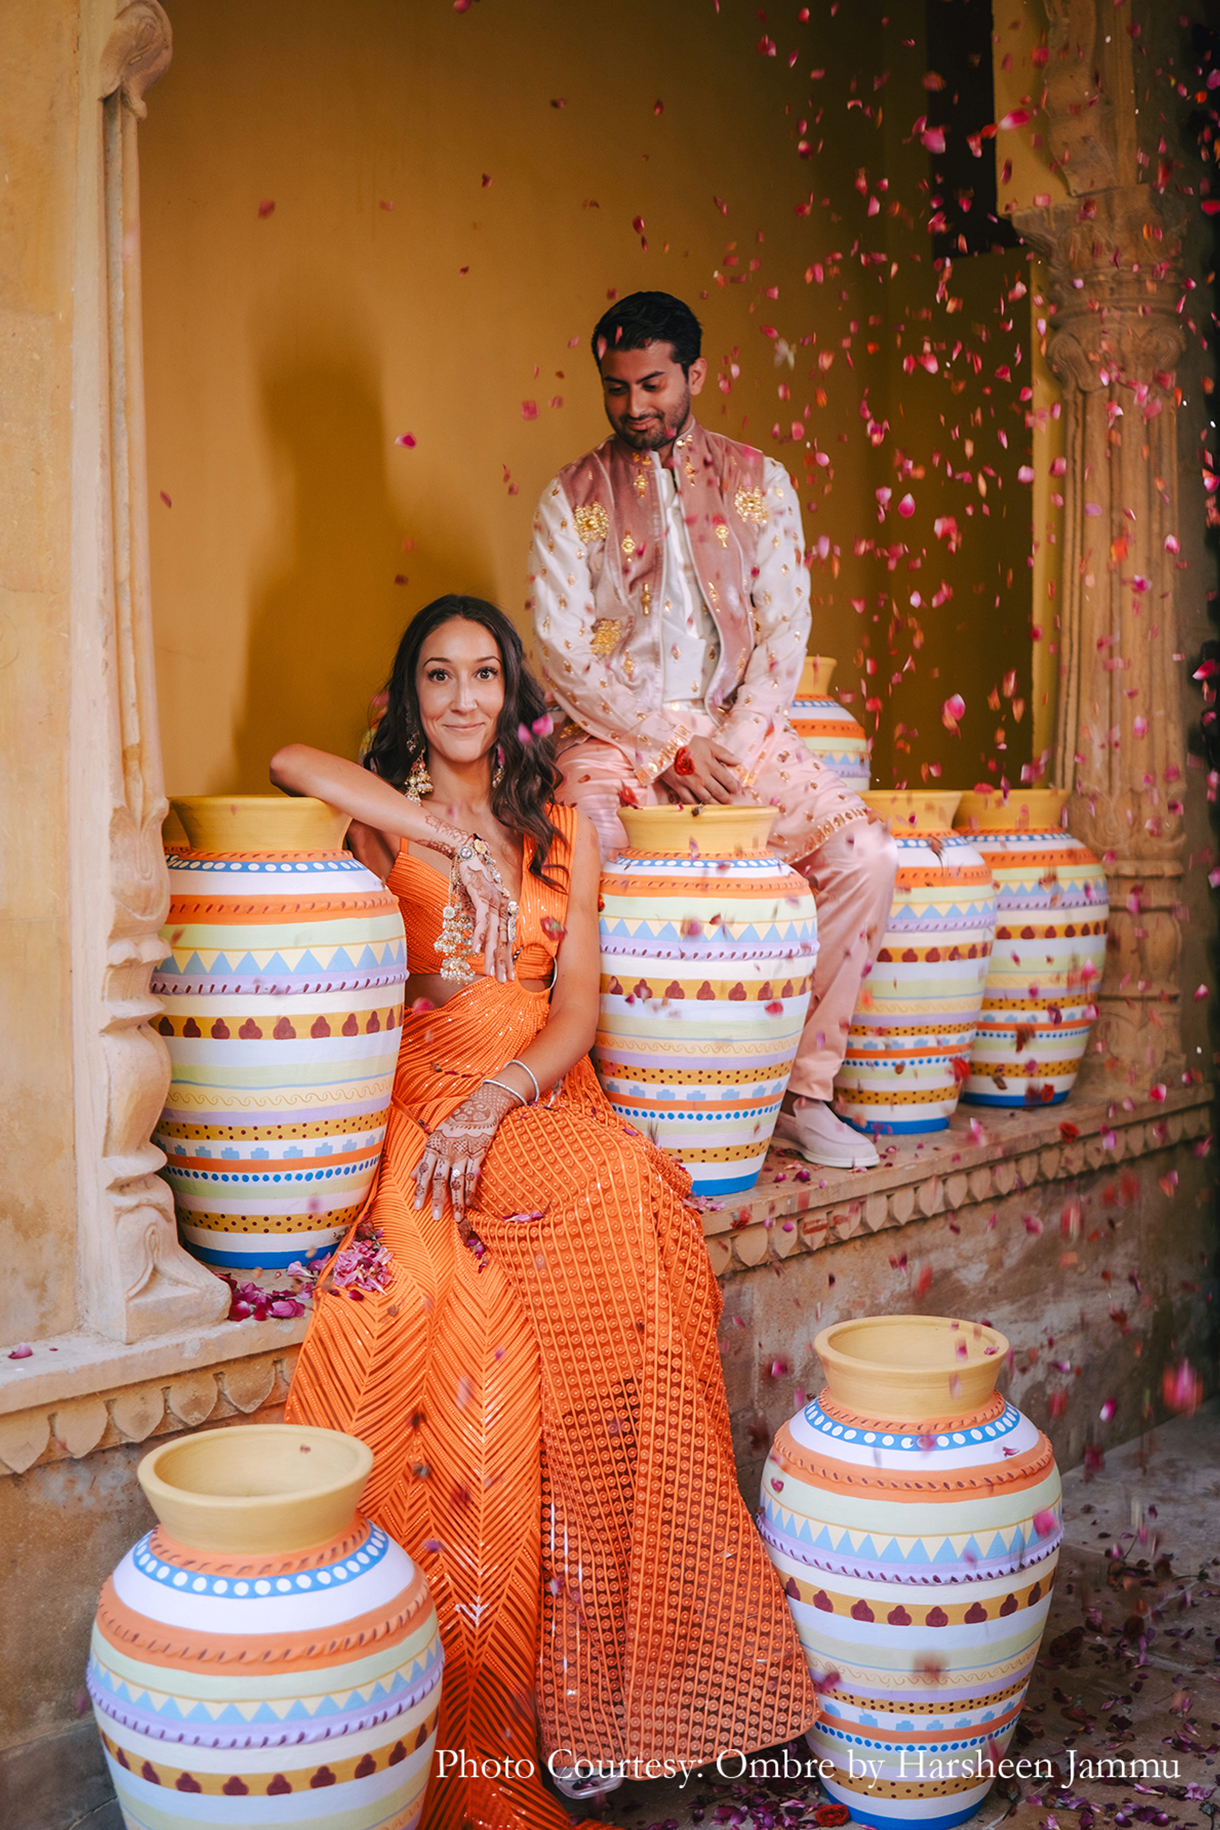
(281, 1005)
(265, 1655)
(915, 1520)
(826, 728)
(1052, 906)
(908, 1049)
(708, 944)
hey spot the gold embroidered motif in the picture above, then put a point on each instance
(641, 484)
(751, 505)
(629, 667)
(722, 534)
(592, 522)
(646, 599)
(606, 633)
(628, 545)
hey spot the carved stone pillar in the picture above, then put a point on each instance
(1113, 254)
(135, 1280)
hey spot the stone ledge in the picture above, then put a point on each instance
(66, 1428)
(987, 1152)
(73, 1365)
(95, 1392)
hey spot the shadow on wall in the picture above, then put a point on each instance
(325, 623)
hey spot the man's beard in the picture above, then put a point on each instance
(658, 433)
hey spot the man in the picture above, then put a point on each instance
(671, 615)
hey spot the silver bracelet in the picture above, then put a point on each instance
(505, 1088)
(516, 1062)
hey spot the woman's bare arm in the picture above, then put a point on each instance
(373, 802)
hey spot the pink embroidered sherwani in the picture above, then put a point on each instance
(665, 610)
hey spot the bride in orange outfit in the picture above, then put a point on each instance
(539, 1380)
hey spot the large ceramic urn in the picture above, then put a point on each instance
(826, 728)
(1050, 947)
(908, 1049)
(265, 1655)
(708, 944)
(281, 992)
(914, 1518)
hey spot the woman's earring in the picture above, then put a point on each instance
(497, 775)
(419, 782)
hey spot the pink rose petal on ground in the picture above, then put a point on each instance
(21, 1351)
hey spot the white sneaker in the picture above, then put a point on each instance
(822, 1138)
(585, 1786)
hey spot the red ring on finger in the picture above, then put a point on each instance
(684, 762)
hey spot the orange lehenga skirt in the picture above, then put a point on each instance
(552, 1439)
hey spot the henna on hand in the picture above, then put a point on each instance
(453, 1155)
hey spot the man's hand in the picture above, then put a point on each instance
(711, 775)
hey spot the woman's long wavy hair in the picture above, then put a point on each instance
(529, 779)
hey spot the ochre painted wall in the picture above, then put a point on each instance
(454, 196)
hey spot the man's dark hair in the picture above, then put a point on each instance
(649, 317)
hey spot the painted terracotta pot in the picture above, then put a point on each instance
(915, 1520)
(1050, 947)
(265, 1655)
(828, 728)
(707, 950)
(909, 1045)
(281, 994)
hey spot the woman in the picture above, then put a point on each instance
(539, 1379)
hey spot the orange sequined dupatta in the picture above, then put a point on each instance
(551, 1435)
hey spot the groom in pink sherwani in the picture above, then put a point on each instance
(671, 613)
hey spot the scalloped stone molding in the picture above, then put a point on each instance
(133, 1413)
(942, 1174)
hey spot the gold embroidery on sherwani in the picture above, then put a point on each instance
(641, 484)
(606, 633)
(722, 534)
(628, 544)
(751, 505)
(592, 522)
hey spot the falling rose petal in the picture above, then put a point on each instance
(266, 207)
(1140, 726)
(1016, 117)
(906, 508)
(1025, 474)
(542, 727)
(934, 139)
(524, 734)
(658, 107)
(1045, 1523)
(1032, 1225)
(1171, 544)
(1201, 993)
(529, 409)
(486, 180)
(1107, 1410)
(1182, 1389)
(952, 711)
(406, 439)
(165, 499)
(637, 223)
(775, 1009)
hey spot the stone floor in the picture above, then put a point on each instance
(1129, 1669)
